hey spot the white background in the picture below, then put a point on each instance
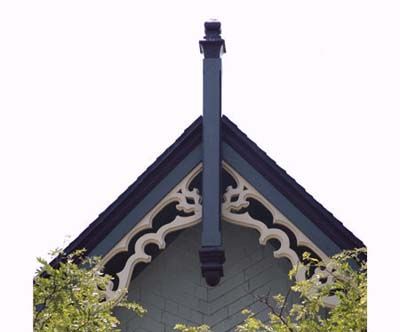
(91, 92)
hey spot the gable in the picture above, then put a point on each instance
(243, 192)
(249, 160)
(164, 205)
(167, 199)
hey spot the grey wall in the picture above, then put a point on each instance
(172, 290)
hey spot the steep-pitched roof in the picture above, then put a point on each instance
(249, 151)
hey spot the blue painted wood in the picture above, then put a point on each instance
(247, 171)
(278, 200)
(211, 252)
(254, 165)
(211, 152)
(287, 186)
(162, 189)
(102, 226)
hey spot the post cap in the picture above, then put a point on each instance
(212, 46)
(212, 30)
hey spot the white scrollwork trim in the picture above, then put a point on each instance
(236, 199)
(188, 200)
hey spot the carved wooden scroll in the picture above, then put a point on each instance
(235, 209)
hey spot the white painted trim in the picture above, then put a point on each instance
(237, 198)
(179, 194)
(234, 200)
(244, 191)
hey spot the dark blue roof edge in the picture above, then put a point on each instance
(283, 182)
(113, 214)
(249, 150)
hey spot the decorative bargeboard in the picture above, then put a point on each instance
(236, 200)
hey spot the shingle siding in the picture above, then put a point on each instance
(172, 290)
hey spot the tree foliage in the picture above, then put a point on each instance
(347, 272)
(71, 297)
(185, 328)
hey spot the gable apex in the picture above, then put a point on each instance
(182, 156)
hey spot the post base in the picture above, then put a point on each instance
(212, 260)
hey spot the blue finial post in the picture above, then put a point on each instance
(211, 253)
